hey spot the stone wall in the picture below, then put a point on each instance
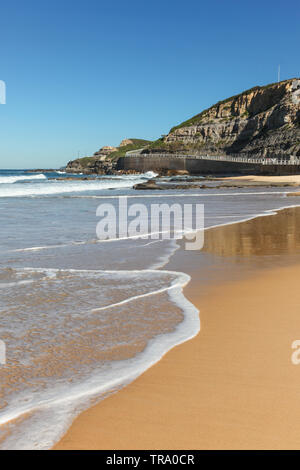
(202, 167)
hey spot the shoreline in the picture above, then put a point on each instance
(99, 427)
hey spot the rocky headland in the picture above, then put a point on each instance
(258, 123)
(104, 161)
(263, 122)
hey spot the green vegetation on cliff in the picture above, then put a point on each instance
(161, 145)
(136, 144)
(84, 161)
(88, 162)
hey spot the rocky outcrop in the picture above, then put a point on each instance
(104, 161)
(105, 151)
(126, 142)
(194, 184)
(150, 184)
(100, 163)
(91, 165)
(261, 122)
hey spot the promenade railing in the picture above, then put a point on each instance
(225, 158)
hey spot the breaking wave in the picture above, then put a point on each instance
(20, 178)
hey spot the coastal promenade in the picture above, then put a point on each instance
(205, 164)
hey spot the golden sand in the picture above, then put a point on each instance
(234, 386)
(267, 179)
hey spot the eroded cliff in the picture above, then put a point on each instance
(260, 122)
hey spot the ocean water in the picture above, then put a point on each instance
(82, 317)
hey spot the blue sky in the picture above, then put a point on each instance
(83, 74)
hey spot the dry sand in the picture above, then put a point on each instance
(234, 385)
(266, 179)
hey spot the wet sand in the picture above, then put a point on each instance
(233, 386)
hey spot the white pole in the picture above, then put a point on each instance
(278, 73)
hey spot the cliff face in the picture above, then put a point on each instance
(263, 121)
(260, 122)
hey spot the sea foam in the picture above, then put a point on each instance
(19, 178)
(61, 186)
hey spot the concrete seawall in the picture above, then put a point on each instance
(196, 166)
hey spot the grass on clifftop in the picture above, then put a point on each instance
(137, 144)
(84, 161)
(160, 145)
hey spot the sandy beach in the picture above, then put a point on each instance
(266, 179)
(233, 386)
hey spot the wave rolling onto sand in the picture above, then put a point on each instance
(94, 316)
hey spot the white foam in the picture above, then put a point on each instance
(15, 179)
(150, 174)
(61, 406)
(58, 186)
(5, 285)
